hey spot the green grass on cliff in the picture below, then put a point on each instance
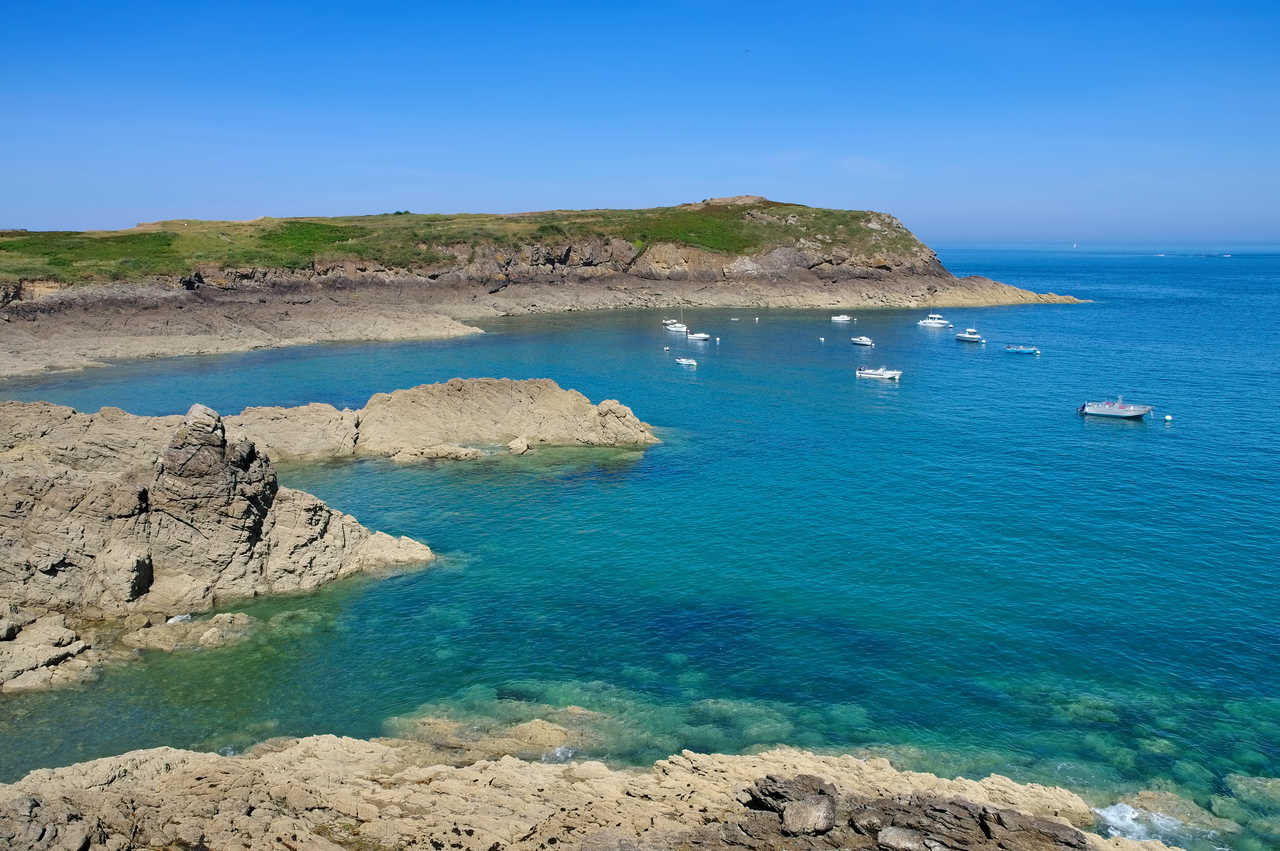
(408, 240)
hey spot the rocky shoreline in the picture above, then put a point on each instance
(47, 327)
(116, 524)
(326, 792)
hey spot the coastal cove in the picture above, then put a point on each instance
(957, 572)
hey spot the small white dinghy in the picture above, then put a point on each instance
(881, 372)
(699, 335)
(687, 362)
(842, 317)
(970, 335)
(861, 341)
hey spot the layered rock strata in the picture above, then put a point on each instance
(325, 792)
(106, 515)
(448, 420)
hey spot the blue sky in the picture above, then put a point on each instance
(974, 123)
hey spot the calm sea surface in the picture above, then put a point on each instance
(957, 571)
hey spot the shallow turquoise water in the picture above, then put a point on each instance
(958, 570)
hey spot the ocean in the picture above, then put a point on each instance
(956, 571)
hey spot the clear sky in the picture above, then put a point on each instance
(973, 123)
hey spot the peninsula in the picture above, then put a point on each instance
(71, 300)
(112, 523)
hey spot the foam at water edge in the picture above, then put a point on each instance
(1129, 822)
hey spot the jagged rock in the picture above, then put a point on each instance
(518, 446)
(815, 814)
(322, 790)
(107, 515)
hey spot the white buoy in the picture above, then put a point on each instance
(717, 341)
(666, 348)
(757, 318)
(822, 339)
(1168, 418)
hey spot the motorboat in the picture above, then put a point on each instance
(861, 341)
(699, 335)
(669, 321)
(842, 317)
(1119, 409)
(970, 335)
(678, 327)
(881, 372)
(934, 320)
(1022, 350)
(686, 362)
(734, 319)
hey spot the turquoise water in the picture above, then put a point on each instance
(957, 571)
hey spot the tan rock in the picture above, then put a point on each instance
(325, 789)
(492, 412)
(309, 431)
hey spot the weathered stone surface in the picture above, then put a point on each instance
(107, 515)
(493, 411)
(322, 790)
(308, 431)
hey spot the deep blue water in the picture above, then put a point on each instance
(958, 571)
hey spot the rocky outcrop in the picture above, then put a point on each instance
(448, 420)
(326, 792)
(108, 514)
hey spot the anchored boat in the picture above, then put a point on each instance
(841, 317)
(970, 335)
(1119, 409)
(699, 335)
(861, 341)
(1022, 350)
(881, 372)
(686, 362)
(934, 320)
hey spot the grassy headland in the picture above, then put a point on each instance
(416, 241)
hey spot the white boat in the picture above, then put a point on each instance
(841, 317)
(970, 335)
(699, 335)
(882, 372)
(734, 319)
(1119, 409)
(861, 341)
(933, 320)
(678, 327)
(668, 322)
(686, 361)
